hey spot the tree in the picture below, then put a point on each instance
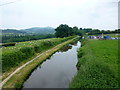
(87, 30)
(77, 31)
(63, 31)
(95, 31)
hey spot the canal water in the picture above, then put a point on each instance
(56, 72)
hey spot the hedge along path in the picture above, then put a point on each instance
(16, 57)
(44, 53)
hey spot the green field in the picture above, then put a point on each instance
(97, 65)
(112, 35)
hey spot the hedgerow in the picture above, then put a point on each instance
(16, 56)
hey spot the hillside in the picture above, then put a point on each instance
(40, 30)
(34, 30)
(12, 31)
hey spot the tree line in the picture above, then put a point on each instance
(64, 31)
(18, 38)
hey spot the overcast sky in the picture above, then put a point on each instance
(96, 14)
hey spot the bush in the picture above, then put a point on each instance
(48, 43)
(37, 49)
(11, 60)
(28, 51)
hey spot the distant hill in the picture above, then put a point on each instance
(12, 31)
(34, 30)
(40, 30)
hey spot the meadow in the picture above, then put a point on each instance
(13, 56)
(97, 65)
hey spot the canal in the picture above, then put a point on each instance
(56, 72)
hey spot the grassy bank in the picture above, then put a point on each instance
(18, 79)
(15, 56)
(97, 65)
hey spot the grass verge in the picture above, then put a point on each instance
(97, 65)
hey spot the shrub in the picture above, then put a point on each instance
(37, 49)
(48, 43)
(28, 51)
(11, 60)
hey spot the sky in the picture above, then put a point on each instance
(96, 14)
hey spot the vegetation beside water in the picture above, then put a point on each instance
(14, 55)
(18, 78)
(97, 65)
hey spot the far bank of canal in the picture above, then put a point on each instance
(56, 72)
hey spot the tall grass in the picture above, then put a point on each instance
(97, 65)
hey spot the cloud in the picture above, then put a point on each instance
(100, 14)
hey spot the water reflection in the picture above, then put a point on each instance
(56, 72)
(66, 48)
